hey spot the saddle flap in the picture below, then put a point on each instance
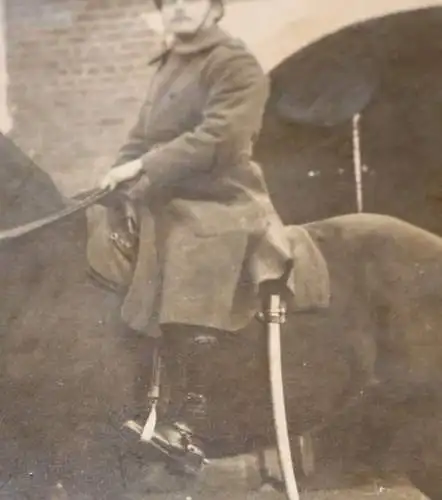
(310, 275)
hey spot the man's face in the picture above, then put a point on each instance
(184, 17)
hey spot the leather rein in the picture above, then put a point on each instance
(92, 198)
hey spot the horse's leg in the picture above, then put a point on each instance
(418, 446)
(428, 481)
(410, 356)
(404, 418)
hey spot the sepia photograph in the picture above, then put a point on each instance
(220, 250)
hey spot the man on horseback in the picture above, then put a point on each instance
(203, 237)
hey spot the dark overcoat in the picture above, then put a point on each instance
(209, 234)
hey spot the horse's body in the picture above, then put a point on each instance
(70, 374)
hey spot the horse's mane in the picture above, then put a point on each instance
(27, 192)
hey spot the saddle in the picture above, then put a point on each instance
(309, 274)
(111, 247)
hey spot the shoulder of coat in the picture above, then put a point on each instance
(236, 45)
(235, 48)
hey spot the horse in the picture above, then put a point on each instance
(71, 373)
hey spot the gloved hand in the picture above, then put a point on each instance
(117, 175)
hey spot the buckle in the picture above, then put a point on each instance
(271, 316)
(123, 245)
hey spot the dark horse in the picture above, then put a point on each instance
(71, 373)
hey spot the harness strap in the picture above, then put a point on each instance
(153, 397)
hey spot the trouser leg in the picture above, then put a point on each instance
(185, 423)
(187, 355)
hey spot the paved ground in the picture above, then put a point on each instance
(392, 488)
(377, 492)
(370, 492)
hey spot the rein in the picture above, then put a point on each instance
(16, 232)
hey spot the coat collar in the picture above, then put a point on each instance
(203, 40)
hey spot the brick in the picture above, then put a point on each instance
(73, 82)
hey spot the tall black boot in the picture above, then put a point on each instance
(186, 426)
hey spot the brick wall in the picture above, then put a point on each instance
(77, 74)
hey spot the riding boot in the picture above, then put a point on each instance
(186, 426)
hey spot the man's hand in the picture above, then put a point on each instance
(122, 173)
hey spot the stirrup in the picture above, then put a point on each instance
(184, 457)
(189, 458)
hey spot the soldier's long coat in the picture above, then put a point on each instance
(220, 236)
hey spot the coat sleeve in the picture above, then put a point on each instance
(133, 148)
(237, 94)
(135, 144)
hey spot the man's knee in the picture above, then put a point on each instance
(189, 337)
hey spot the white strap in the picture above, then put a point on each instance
(278, 402)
